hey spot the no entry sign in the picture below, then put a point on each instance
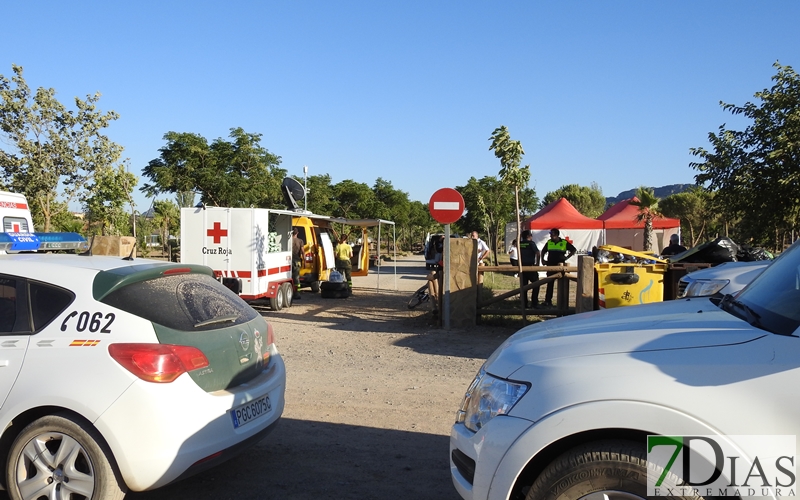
(446, 205)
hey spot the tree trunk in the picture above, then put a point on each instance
(648, 232)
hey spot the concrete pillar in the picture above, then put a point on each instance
(463, 282)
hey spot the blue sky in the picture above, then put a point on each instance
(613, 92)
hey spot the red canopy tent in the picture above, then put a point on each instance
(583, 232)
(622, 229)
(560, 214)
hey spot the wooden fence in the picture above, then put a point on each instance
(582, 275)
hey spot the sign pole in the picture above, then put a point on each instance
(446, 206)
(446, 278)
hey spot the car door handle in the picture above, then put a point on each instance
(4, 362)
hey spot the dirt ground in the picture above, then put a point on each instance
(372, 390)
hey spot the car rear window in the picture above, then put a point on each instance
(186, 302)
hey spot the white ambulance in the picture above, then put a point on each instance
(15, 213)
(249, 249)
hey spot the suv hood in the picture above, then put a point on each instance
(677, 324)
(730, 270)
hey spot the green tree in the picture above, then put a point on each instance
(354, 200)
(167, 220)
(184, 199)
(51, 148)
(393, 204)
(421, 222)
(146, 228)
(320, 197)
(755, 172)
(510, 152)
(235, 173)
(65, 221)
(647, 204)
(105, 199)
(587, 200)
(528, 202)
(695, 211)
(489, 206)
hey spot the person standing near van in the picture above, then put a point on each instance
(513, 255)
(297, 262)
(529, 254)
(483, 248)
(558, 251)
(344, 252)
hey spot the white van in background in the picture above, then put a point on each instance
(14, 213)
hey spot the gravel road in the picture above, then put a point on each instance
(372, 390)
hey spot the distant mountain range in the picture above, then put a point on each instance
(660, 192)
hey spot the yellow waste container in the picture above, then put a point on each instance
(629, 284)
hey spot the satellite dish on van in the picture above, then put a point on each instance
(293, 192)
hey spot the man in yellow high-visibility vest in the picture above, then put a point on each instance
(556, 252)
(343, 253)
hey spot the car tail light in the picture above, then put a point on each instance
(270, 340)
(160, 363)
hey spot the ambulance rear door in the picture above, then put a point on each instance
(15, 213)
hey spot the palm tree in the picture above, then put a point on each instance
(510, 152)
(647, 203)
(166, 215)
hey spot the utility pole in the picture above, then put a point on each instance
(305, 187)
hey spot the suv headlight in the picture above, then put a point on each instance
(486, 398)
(703, 288)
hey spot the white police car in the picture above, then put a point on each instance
(124, 374)
(563, 409)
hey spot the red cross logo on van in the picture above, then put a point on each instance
(217, 233)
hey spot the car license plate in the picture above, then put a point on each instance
(250, 411)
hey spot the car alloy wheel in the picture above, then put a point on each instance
(57, 457)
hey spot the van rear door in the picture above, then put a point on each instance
(15, 213)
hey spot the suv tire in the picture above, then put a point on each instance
(613, 469)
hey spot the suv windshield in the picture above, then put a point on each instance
(772, 301)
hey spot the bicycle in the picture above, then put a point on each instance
(420, 296)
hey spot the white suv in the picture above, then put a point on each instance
(728, 277)
(563, 408)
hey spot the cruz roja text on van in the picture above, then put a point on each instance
(217, 251)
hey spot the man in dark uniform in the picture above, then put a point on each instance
(297, 261)
(674, 247)
(558, 250)
(529, 256)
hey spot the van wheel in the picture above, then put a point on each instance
(287, 290)
(276, 302)
(610, 470)
(315, 286)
